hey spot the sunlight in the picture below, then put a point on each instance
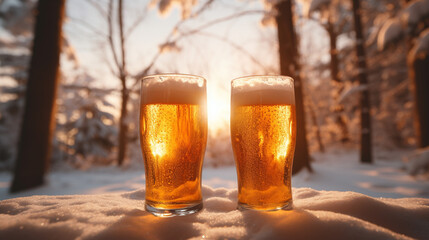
(283, 149)
(159, 149)
(218, 107)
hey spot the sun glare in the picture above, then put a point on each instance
(218, 106)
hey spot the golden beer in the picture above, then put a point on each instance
(263, 130)
(173, 136)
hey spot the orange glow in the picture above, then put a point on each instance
(263, 149)
(218, 108)
(173, 140)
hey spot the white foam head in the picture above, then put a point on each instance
(265, 90)
(173, 89)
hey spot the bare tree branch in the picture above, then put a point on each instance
(237, 47)
(145, 71)
(112, 70)
(98, 7)
(220, 20)
(122, 42)
(87, 26)
(201, 9)
(110, 34)
(136, 22)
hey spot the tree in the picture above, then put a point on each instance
(87, 130)
(333, 20)
(289, 66)
(412, 23)
(366, 141)
(418, 61)
(17, 20)
(36, 132)
(118, 50)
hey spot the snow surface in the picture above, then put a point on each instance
(342, 199)
(336, 170)
(316, 215)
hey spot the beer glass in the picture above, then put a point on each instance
(173, 137)
(263, 129)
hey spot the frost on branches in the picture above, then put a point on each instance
(166, 5)
(16, 35)
(406, 22)
(86, 129)
(421, 47)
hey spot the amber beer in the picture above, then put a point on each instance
(173, 136)
(263, 130)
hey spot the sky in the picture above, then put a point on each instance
(215, 60)
(218, 53)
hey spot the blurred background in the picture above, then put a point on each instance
(361, 72)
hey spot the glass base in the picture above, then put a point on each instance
(162, 212)
(286, 206)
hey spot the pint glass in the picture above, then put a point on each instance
(173, 137)
(263, 129)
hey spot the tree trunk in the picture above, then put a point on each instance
(39, 114)
(419, 76)
(123, 127)
(289, 65)
(316, 125)
(338, 109)
(366, 145)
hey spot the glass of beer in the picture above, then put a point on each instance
(173, 137)
(263, 129)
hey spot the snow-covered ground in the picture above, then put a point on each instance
(317, 215)
(342, 199)
(333, 171)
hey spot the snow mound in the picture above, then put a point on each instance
(418, 162)
(317, 215)
(389, 32)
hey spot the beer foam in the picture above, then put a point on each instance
(266, 90)
(173, 89)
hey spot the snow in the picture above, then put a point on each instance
(310, 6)
(6, 5)
(342, 199)
(419, 162)
(390, 31)
(421, 46)
(169, 47)
(165, 6)
(350, 90)
(317, 214)
(415, 12)
(333, 171)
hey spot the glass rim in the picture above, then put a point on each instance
(262, 77)
(172, 75)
